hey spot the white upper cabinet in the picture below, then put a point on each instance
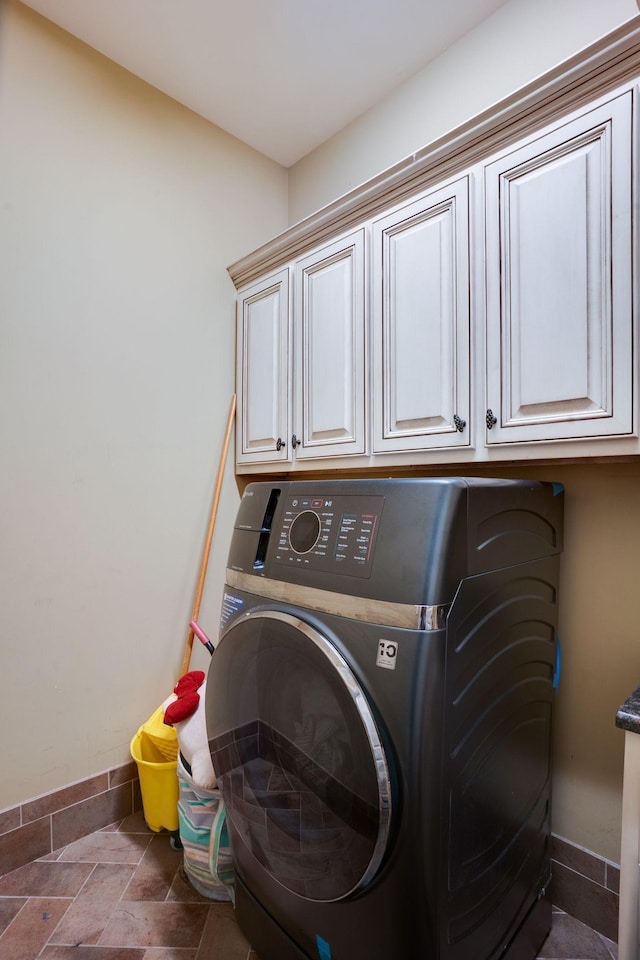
(420, 323)
(301, 359)
(559, 282)
(264, 371)
(475, 304)
(329, 364)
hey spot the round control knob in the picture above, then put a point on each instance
(304, 532)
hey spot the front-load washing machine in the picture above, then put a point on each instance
(379, 711)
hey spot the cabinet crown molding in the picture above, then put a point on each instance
(591, 73)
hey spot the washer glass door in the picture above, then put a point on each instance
(298, 756)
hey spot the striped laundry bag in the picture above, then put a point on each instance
(205, 839)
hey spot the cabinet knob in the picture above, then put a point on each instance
(294, 441)
(460, 424)
(280, 443)
(491, 419)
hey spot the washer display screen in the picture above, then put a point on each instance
(335, 534)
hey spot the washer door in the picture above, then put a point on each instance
(298, 756)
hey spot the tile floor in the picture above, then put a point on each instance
(118, 894)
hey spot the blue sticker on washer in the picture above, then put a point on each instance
(230, 607)
(558, 669)
(557, 488)
(324, 950)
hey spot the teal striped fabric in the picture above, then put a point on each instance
(205, 840)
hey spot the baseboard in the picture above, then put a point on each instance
(38, 827)
(586, 886)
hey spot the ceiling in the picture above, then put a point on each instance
(281, 75)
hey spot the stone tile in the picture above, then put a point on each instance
(44, 878)
(135, 823)
(123, 774)
(223, 939)
(579, 860)
(611, 947)
(86, 918)
(72, 794)
(10, 820)
(572, 940)
(169, 953)
(91, 814)
(106, 884)
(585, 900)
(612, 878)
(31, 929)
(164, 918)
(182, 890)
(91, 953)
(145, 924)
(154, 875)
(54, 855)
(24, 844)
(9, 908)
(107, 848)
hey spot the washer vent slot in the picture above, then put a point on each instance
(265, 531)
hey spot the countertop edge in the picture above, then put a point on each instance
(628, 715)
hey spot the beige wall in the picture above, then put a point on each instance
(119, 211)
(522, 40)
(600, 614)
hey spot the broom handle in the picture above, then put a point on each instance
(207, 546)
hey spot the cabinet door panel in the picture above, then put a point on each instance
(559, 306)
(264, 362)
(330, 350)
(421, 323)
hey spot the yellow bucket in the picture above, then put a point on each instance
(155, 750)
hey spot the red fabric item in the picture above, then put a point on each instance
(188, 682)
(182, 708)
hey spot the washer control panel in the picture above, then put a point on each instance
(331, 534)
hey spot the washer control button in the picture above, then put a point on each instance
(304, 532)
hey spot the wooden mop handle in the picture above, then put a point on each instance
(207, 545)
